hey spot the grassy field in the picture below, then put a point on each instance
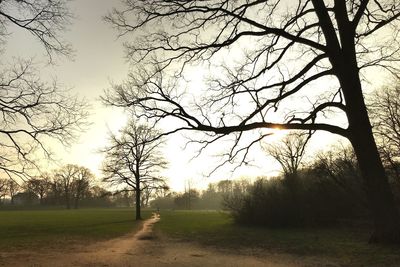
(42, 229)
(55, 228)
(343, 245)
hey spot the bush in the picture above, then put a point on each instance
(309, 201)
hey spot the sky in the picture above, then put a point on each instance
(98, 61)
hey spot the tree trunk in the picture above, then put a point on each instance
(76, 203)
(138, 202)
(67, 199)
(379, 195)
(380, 198)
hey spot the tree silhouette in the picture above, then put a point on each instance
(32, 110)
(39, 186)
(74, 181)
(276, 52)
(43, 19)
(81, 184)
(65, 177)
(384, 108)
(134, 160)
(289, 152)
(13, 188)
(3, 188)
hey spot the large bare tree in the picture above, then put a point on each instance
(134, 159)
(289, 65)
(33, 110)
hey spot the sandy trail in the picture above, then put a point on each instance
(146, 249)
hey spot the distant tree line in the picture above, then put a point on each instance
(210, 199)
(70, 186)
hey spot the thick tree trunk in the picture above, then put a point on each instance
(343, 57)
(379, 195)
(380, 198)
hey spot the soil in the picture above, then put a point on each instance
(145, 248)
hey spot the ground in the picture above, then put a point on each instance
(149, 248)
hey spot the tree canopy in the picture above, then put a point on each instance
(261, 57)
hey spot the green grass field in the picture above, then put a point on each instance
(43, 229)
(344, 245)
(24, 229)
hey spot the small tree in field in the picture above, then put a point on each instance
(134, 159)
(277, 52)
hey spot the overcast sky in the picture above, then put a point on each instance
(99, 59)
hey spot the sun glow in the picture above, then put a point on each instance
(276, 133)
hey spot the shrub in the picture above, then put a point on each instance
(309, 201)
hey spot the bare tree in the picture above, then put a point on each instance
(81, 184)
(288, 49)
(162, 191)
(233, 193)
(339, 164)
(13, 188)
(3, 188)
(39, 186)
(150, 192)
(65, 178)
(32, 110)
(384, 108)
(43, 19)
(289, 152)
(134, 159)
(56, 190)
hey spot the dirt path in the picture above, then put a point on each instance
(146, 249)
